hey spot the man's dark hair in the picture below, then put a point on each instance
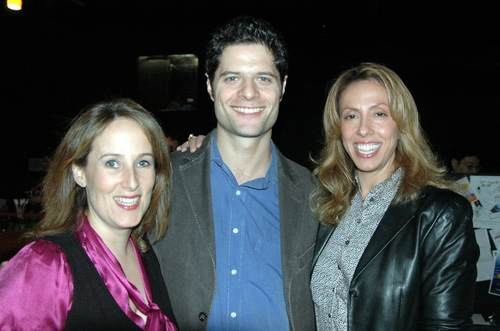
(246, 30)
(463, 149)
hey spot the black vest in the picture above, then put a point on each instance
(94, 308)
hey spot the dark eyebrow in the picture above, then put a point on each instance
(266, 73)
(227, 73)
(260, 73)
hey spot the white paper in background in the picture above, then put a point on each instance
(487, 191)
(495, 236)
(495, 278)
(485, 262)
(468, 192)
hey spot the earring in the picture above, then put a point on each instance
(81, 184)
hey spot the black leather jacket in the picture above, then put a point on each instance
(418, 271)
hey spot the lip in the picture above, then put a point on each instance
(367, 150)
(128, 203)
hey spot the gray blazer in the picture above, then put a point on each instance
(187, 253)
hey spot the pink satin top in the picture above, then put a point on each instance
(36, 286)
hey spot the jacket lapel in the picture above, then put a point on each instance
(198, 191)
(291, 206)
(394, 219)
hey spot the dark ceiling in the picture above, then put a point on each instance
(58, 56)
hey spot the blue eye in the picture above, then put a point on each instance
(112, 163)
(143, 163)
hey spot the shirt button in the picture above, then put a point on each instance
(234, 272)
(347, 242)
(233, 314)
(238, 192)
(371, 199)
(235, 230)
(329, 315)
(202, 316)
(358, 220)
(338, 266)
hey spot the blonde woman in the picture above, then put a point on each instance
(396, 250)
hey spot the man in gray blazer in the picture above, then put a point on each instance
(238, 251)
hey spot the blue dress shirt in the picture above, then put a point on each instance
(249, 289)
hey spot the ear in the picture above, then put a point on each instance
(283, 87)
(454, 164)
(79, 175)
(209, 87)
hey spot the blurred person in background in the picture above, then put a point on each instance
(465, 159)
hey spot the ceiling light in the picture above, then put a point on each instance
(15, 4)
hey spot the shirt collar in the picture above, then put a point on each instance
(272, 172)
(388, 186)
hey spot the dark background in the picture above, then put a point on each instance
(58, 56)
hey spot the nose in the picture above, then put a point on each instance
(248, 90)
(364, 127)
(474, 170)
(130, 181)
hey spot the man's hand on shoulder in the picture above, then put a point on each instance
(193, 143)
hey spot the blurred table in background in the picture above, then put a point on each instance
(12, 230)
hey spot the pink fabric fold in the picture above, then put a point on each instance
(119, 286)
(39, 279)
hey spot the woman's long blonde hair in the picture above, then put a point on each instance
(64, 201)
(334, 168)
